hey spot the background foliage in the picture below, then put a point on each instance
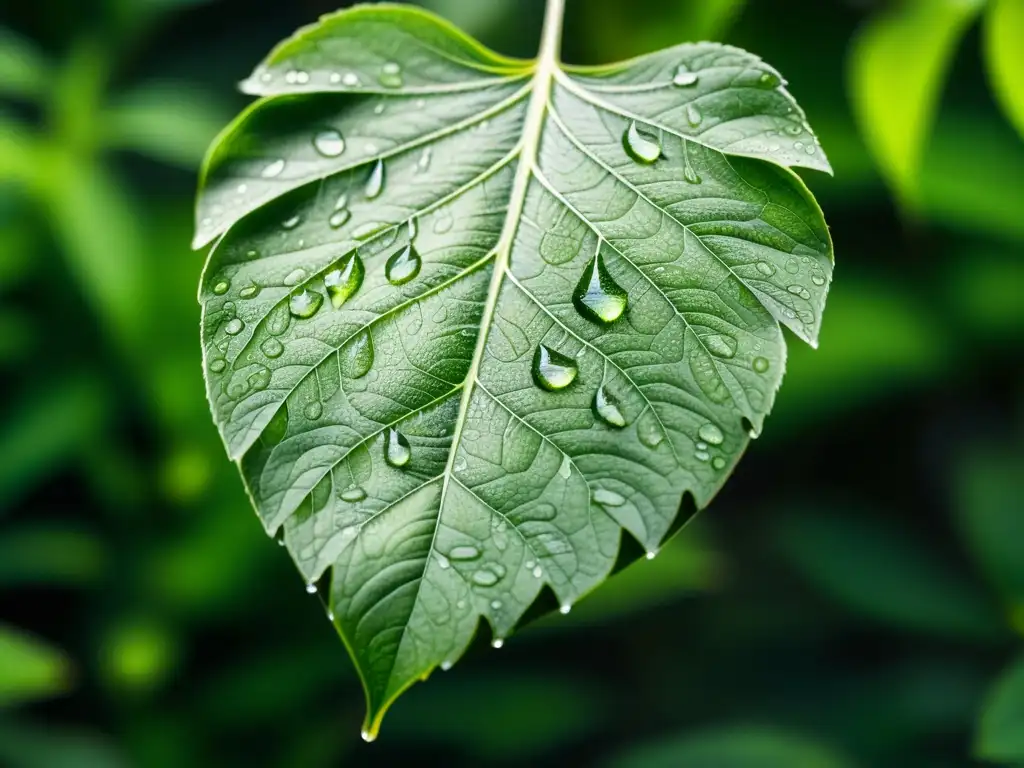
(854, 597)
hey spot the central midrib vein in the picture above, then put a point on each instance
(547, 63)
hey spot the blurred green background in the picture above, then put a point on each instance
(854, 597)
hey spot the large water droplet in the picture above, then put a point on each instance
(720, 345)
(765, 268)
(710, 434)
(391, 75)
(649, 430)
(344, 280)
(352, 495)
(464, 552)
(313, 410)
(552, 370)
(683, 77)
(607, 498)
(340, 217)
(249, 292)
(305, 303)
(234, 327)
(357, 357)
(607, 408)
(329, 143)
(818, 280)
(403, 265)
(642, 148)
(597, 296)
(485, 577)
(375, 181)
(273, 170)
(761, 364)
(272, 348)
(397, 450)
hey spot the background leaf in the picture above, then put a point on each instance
(999, 733)
(30, 669)
(1004, 28)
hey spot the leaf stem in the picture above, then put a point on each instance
(551, 36)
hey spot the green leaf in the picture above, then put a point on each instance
(24, 71)
(30, 669)
(1004, 29)
(734, 747)
(897, 67)
(469, 318)
(1000, 733)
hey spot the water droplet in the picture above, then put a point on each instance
(218, 365)
(683, 77)
(765, 268)
(221, 288)
(761, 364)
(565, 468)
(357, 358)
(379, 109)
(769, 80)
(368, 230)
(710, 434)
(391, 75)
(305, 303)
(564, 609)
(720, 345)
(335, 78)
(403, 265)
(464, 552)
(352, 495)
(367, 736)
(485, 577)
(311, 588)
(642, 148)
(690, 176)
(693, 116)
(397, 450)
(442, 561)
(497, 643)
(330, 616)
(344, 280)
(272, 348)
(651, 554)
(249, 292)
(292, 223)
(234, 327)
(795, 129)
(537, 571)
(329, 143)
(552, 370)
(424, 162)
(460, 464)
(799, 290)
(649, 430)
(339, 218)
(607, 498)
(350, 79)
(597, 296)
(793, 266)
(313, 410)
(445, 666)
(818, 280)
(607, 408)
(273, 170)
(443, 222)
(702, 455)
(375, 181)
(496, 605)
(718, 462)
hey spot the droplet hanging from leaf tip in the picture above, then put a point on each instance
(552, 370)
(642, 148)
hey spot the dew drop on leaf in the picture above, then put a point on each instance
(234, 327)
(218, 365)
(765, 268)
(684, 78)
(720, 345)
(710, 434)
(607, 409)
(761, 364)
(375, 181)
(305, 304)
(552, 370)
(273, 170)
(649, 430)
(464, 552)
(295, 277)
(597, 296)
(272, 348)
(639, 146)
(313, 410)
(391, 75)
(221, 288)
(403, 265)
(693, 115)
(249, 292)
(357, 357)
(397, 450)
(485, 577)
(329, 143)
(769, 80)
(718, 462)
(339, 218)
(344, 279)
(292, 223)
(353, 494)
(607, 498)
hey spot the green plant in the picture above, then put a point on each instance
(468, 317)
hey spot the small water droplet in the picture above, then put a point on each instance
(292, 223)
(219, 289)
(765, 268)
(329, 143)
(597, 296)
(818, 280)
(718, 462)
(683, 77)
(357, 357)
(344, 279)
(234, 327)
(795, 129)
(335, 78)
(769, 80)
(273, 170)
(607, 408)
(272, 348)
(305, 303)
(397, 450)
(642, 148)
(485, 577)
(403, 265)
(565, 468)
(351, 79)
(353, 494)
(693, 115)
(460, 464)
(651, 554)
(367, 736)
(552, 370)
(799, 290)
(537, 571)
(249, 292)
(649, 430)
(375, 181)
(607, 498)
(311, 588)
(496, 605)
(702, 455)
(442, 561)
(564, 609)
(313, 410)
(391, 75)
(443, 222)
(497, 643)
(761, 364)
(339, 218)
(218, 365)
(464, 552)
(445, 666)
(379, 109)
(295, 277)
(710, 434)
(330, 616)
